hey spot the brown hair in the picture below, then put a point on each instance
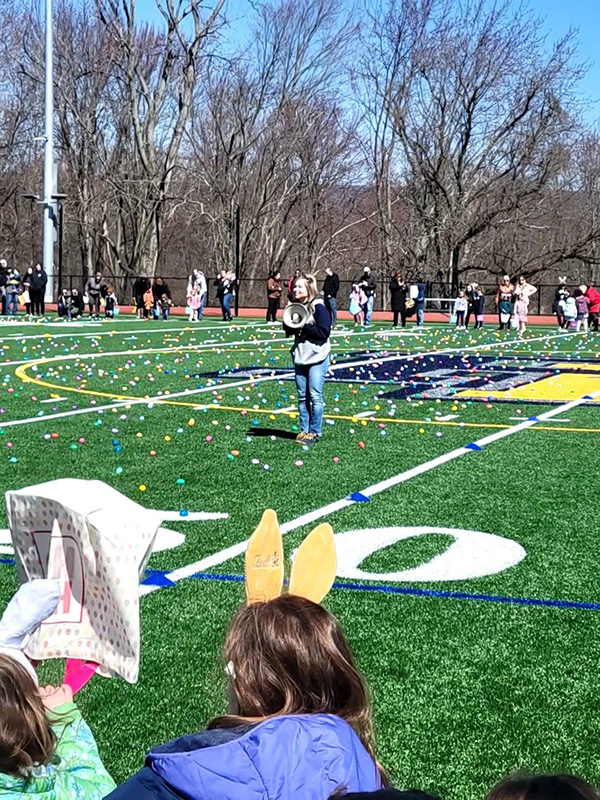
(290, 656)
(26, 737)
(522, 786)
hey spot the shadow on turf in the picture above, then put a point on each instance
(277, 432)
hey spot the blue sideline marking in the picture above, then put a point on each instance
(159, 578)
(408, 590)
(154, 577)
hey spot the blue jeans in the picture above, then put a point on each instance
(12, 302)
(226, 305)
(369, 308)
(331, 303)
(201, 306)
(310, 379)
(165, 313)
(420, 312)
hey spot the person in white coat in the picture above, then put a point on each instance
(197, 282)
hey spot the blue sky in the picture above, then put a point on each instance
(585, 16)
(559, 15)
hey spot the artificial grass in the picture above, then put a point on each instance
(464, 690)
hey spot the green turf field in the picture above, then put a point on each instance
(481, 652)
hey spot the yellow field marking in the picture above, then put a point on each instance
(21, 373)
(559, 388)
(292, 414)
(551, 388)
(580, 365)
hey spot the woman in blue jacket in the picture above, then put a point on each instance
(299, 724)
(310, 354)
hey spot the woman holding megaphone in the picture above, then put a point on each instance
(310, 354)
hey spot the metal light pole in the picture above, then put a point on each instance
(61, 222)
(237, 260)
(49, 216)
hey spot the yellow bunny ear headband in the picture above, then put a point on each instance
(313, 568)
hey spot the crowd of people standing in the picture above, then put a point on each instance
(576, 308)
(151, 298)
(360, 302)
(27, 289)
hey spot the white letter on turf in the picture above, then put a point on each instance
(471, 555)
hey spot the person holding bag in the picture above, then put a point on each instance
(13, 283)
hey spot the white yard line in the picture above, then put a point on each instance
(107, 330)
(211, 344)
(149, 401)
(364, 414)
(370, 491)
(101, 332)
(261, 342)
(512, 419)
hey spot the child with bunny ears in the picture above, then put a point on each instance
(47, 752)
(300, 720)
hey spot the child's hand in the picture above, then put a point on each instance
(55, 696)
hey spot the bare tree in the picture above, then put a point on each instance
(85, 125)
(159, 70)
(479, 108)
(20, 105)
(269, 141)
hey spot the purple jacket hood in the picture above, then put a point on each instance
(297, 756)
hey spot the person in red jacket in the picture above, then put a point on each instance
(593, 296)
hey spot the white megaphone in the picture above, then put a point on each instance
(295, 316)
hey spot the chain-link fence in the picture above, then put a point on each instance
(252, 293)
